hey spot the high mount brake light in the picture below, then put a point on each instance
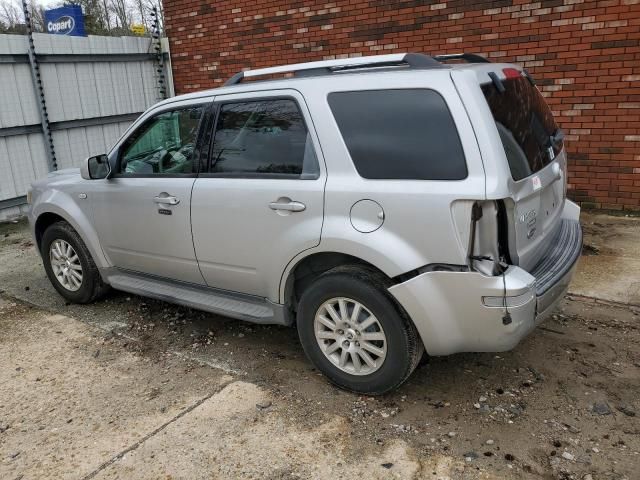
(512, 73)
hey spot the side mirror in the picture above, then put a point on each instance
(95, 168)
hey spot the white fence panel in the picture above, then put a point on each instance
(17, 96)
(93, 88)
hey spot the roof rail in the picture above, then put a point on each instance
(325, 67)
(469, 57)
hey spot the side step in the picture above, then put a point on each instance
(234, 305)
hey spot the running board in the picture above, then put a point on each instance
(234, 305)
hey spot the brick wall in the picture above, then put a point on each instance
(584, 54)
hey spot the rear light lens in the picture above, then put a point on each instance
(512, 72)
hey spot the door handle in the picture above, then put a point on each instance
(287, 206)
(166, 199)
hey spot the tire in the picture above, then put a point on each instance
(395, 357)
(90, 287)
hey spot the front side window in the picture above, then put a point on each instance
(266, 137)
(163, 145)
(406, 134)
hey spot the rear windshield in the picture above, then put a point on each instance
(525, 124)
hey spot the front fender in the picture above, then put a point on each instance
(64, 205)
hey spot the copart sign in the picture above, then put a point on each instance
(65, 21)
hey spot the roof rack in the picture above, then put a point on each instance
(469, 57)
(411, 60)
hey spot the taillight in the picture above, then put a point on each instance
(512, 72)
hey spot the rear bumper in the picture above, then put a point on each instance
(463, 311)
(555, 271)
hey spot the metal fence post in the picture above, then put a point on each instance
(157, 46)
(37, 84)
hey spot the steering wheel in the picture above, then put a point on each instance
(161, 161)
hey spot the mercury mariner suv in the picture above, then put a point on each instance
(386, 206)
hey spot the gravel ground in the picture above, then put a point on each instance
(134, 388)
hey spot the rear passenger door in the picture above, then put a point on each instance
(260, 201)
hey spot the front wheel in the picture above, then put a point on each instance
(69, 265)
(352, 331)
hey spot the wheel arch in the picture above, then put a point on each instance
(46, 214)
(303, 271)
(44, 221)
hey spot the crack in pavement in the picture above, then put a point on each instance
(153, 433)
(212, 363)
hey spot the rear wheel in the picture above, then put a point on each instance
(69, 265)
(352, 331)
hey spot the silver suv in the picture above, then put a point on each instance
(384, 205)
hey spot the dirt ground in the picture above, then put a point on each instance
(610, 266)
(134, 388)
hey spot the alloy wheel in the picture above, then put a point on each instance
(350, 336)
(66, 265)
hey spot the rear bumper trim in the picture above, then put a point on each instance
(561, 259)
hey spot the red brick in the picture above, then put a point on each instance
(599, 62)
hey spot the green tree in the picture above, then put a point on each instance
(95, 17)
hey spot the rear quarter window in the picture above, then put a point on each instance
(406, 134)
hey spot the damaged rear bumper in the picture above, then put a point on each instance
(464, 311)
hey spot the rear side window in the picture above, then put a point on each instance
(525, 125)
(399, 134)
(262, 138)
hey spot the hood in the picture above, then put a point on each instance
(64, 172)
(65, 175)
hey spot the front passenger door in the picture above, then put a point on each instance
(142, 213)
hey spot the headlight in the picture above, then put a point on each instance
(29, 196)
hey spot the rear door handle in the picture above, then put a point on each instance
(166, 199)
(287, 205)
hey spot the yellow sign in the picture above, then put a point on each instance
(138, 29)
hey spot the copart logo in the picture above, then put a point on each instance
(62, 26)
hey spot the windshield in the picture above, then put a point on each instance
(529, 134)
